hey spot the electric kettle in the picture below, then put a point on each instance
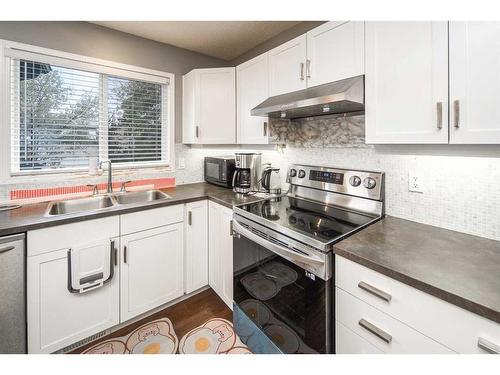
(271, 180)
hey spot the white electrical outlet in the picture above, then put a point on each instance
(181, 163)
(415, 182)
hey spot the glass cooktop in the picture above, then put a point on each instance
(322, 222)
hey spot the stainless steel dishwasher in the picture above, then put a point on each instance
(13, 294)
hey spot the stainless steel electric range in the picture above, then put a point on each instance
(282, 256)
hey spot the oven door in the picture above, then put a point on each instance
(279, 306)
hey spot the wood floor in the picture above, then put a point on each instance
(184, 315)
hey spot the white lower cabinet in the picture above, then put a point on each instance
(348, 342)
(58, 316)
(381, 330)
(440, 322)
(145, 265)
(196, 246)
(220, 245)
(152, 269)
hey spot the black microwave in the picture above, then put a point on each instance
(219, 170)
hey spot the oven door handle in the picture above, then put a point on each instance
(277, 249)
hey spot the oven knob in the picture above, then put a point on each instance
(355, 181)
(293, 172)
(302, 173)
(369, 183)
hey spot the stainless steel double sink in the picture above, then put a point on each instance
(102, 202)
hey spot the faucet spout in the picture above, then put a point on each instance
(110, 175)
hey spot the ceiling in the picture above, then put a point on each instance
(221, 39)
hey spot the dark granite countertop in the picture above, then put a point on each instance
(459, 268)
(31, 216)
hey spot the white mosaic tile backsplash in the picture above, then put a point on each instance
(460, 193)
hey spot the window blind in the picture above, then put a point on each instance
(134, 121)
(56, 116)
(62, 116)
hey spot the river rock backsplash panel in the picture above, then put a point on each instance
(319, 132)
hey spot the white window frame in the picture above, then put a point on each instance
(9, 49)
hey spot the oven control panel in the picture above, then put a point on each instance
(357, 183)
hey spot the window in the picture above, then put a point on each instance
(63, 113)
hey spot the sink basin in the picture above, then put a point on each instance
(140, 196)
(79, 205)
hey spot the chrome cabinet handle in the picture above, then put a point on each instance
(197, 130)
(124, 254)
(439, 109)
(381, 334)
(265, 129)
(115, 252)
(375, 291)
(231, 232)
(7, 248)
(301, 71)
(488, 346)
(308, 68)
(456, 113)
(190, 218)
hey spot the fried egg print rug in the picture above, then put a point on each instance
(216, 336)
(156, 337)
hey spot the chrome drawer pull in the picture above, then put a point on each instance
(488, 346)
(375, 291)
(6, 248)
(375, 330)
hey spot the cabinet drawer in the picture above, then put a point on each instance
(147, 219)
(59, 237)
(381, 330)
(347, 342)
(448, 324)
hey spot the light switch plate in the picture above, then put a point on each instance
(415, 181)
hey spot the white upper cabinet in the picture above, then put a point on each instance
(406, 83)
(335, 50)
(209, 106)
(474, 82)
(287, 67)
(252, 89)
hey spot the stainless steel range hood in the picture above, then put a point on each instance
(342, 96)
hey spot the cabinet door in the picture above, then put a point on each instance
(406, 82)
(335, 51)
(253, 89)
(190, 135)
(221, 252)
(57, 317)
(196, 254)
(152, 269)
(214, 243)
(226, 256)
(287, 70)
(217, 105)
(475, 82)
